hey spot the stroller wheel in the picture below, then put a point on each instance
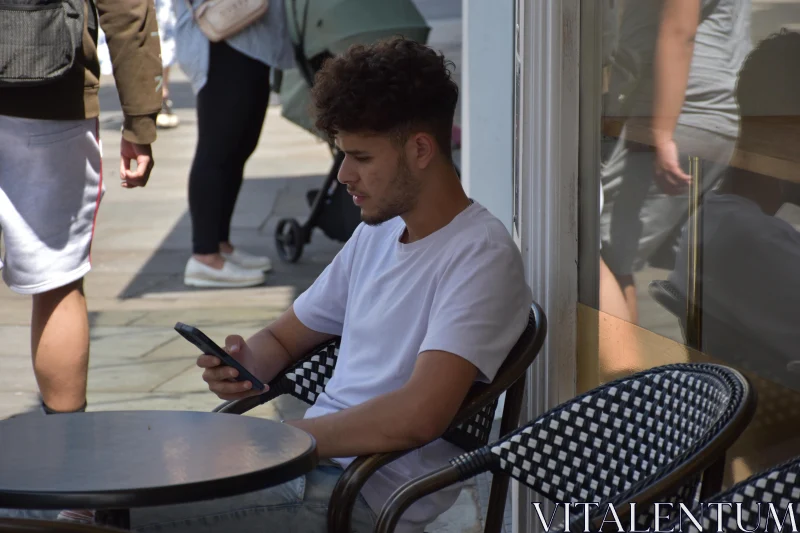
(289, 240)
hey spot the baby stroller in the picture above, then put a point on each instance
(321, 29)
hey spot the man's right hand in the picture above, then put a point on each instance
(143, 155)
(221, 378)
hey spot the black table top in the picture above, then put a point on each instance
(123, 459)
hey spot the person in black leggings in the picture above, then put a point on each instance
(231, 108)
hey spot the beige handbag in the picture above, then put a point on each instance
(221, 19)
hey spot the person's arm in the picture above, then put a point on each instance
(316, 316)
(265, 354)
(412, 416)
(131, 31)
(674, 50)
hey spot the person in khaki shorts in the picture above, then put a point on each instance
(51, 184)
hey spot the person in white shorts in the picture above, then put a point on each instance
(51, 185)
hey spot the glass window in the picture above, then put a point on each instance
(699, 185)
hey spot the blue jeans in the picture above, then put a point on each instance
(298, 506)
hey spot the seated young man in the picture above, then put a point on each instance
(429, 295)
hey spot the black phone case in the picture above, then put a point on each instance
(207, 346)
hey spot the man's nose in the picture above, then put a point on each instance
(346, 172)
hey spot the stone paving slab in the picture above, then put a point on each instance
(134, 376)
(16, 341)
(17, 375)
(117, 401)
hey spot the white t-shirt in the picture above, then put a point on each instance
(461, 289)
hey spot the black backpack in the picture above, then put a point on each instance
(40, 40)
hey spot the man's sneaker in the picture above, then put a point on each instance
(230, 276)
(245, 260)
(166, 118)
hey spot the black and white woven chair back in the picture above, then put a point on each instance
(474, 433)
(307, 379)
(621, 437)
(750, 501)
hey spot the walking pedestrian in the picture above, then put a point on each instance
(51, 179)
(231, 79)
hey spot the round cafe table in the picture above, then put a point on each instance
(114, 460)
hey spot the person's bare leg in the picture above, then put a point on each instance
(60, 346)
(618, 353)
(212, 260)
(612, 299)
(166, 118)
(165, 84)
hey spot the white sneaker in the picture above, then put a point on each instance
(166, 118)
(245, 260)
(229, 276)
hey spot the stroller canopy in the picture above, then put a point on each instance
(332, 26)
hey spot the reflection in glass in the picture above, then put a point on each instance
(677, 60)
(683, 80)
(751, 274)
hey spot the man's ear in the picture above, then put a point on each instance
(422, 149)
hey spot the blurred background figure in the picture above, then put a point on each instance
(165, 15)
(671, 85)
(231, 80)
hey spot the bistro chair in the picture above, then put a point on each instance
(656, 436)
(25, 525)
(779, 486)
(469, 431)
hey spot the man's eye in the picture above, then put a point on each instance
(362, 159)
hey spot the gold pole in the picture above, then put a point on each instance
(694, 270)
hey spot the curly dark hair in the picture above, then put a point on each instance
(769, 80)
(393, 87)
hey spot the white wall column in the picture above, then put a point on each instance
(550, 81)
(487, 104)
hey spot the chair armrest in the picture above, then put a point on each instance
(355, 476)
(238, 407)
(413, 491)
(349, 485)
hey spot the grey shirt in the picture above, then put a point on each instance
(722, 43)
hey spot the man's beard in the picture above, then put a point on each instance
(405, 190)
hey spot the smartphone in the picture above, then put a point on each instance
(209, 347)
